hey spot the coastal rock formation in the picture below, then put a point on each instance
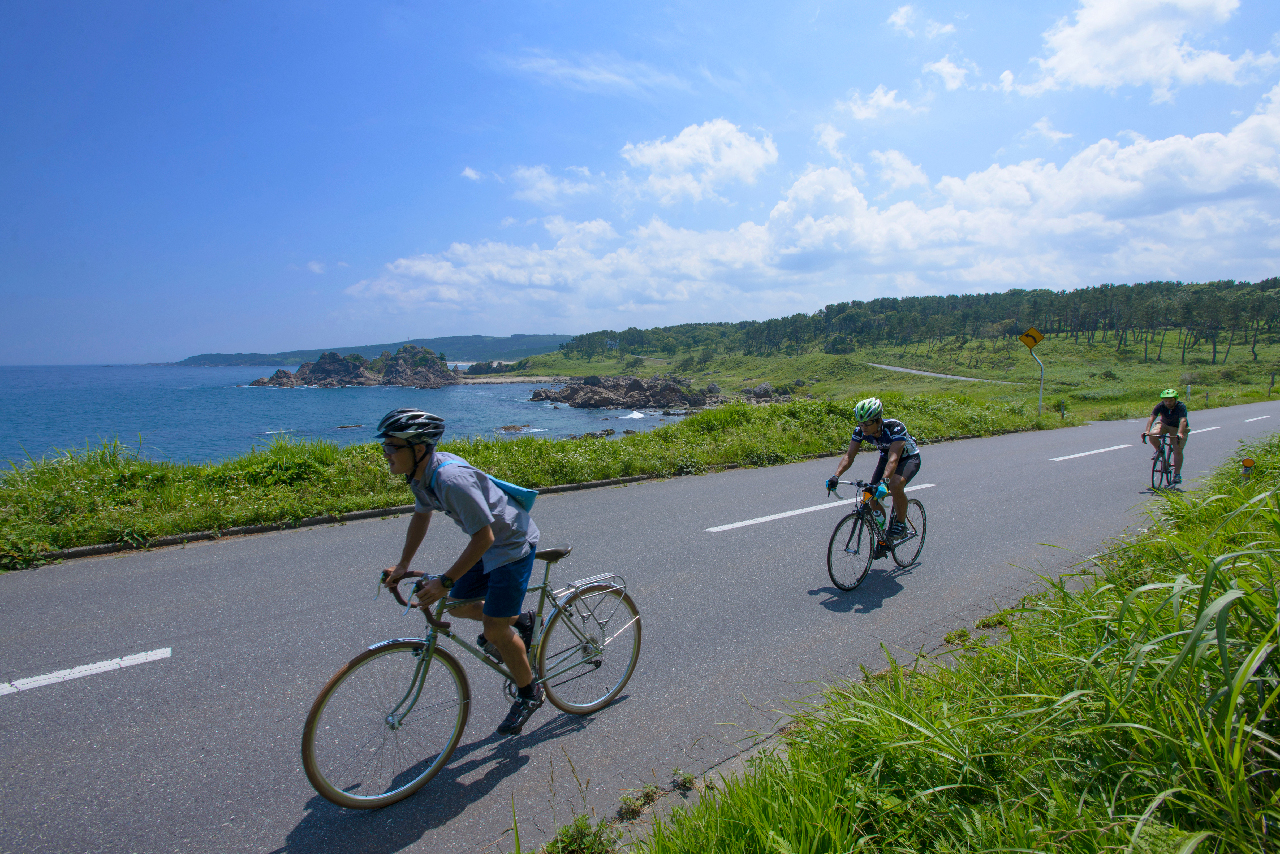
(409, 366)
(624, 393)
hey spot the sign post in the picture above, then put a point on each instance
(1031, 338)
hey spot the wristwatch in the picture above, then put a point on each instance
(446, 582)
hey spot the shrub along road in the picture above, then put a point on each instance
(197, 750)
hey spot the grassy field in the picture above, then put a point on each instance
(1136, 715)
(108, 494)
(1088, 381)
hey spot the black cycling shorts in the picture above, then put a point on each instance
(908, 467)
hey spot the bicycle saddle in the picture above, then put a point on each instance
(553, 554)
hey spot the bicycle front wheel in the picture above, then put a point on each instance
(590, 649)
(850, 551)
(907, 548)
(1161, 471)
(385, 725)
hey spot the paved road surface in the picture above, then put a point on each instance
(198, 751)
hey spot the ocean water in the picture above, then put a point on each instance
(211, 414)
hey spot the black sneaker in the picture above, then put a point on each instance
(521, 711)
(897, 531)
(1177, 479)
(524, 625)
(488, 648)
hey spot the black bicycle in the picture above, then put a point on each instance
(861, 538)
(1161, 462)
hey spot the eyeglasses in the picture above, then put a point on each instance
(391, 450)
(875, 420)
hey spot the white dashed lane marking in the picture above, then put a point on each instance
(1087, 453)
(1207, 429)
(83, 670)
(826, 506)
(1259, 418)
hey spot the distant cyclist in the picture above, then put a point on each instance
(496, 563)
(1169, 418)
(899, 458)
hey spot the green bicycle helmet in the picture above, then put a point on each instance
(1169, 392)
(868, 409)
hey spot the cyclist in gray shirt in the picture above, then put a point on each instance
(496, 563)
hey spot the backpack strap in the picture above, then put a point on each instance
(432, 484)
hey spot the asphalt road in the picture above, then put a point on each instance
(198, 750)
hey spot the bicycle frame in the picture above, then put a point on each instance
(545, 595)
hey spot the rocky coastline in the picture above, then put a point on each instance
(629, 393)
(410, 366)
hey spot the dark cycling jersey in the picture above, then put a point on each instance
(1170, 417)
(891, 431)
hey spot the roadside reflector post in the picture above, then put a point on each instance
(1031, 338)
(1246, 467)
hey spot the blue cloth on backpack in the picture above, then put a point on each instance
(521, 495)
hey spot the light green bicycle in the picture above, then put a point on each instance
(388, 721)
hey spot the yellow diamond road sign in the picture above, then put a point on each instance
(1031, 338)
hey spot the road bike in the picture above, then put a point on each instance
(388, 721)
(860, 538)
(1161, 462)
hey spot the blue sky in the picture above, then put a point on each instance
(179, 178)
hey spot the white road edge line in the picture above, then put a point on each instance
(1087, 453)
(83, 670)
(826, 506)
(1259, 418)
(1207, 429)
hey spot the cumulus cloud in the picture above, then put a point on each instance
(539, 186)
(932, 29)
(1109, 44)
(1180, 207)
(952, 75)
(598, 73)
(897, 171)
(700, 159)
(471, 173)
(316, 267)
(874, 105)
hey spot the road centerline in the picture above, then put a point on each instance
(1259, 418)
(83, 670)
(776, 516)
(1087, 453)
(1207, 429)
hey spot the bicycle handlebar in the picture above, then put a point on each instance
(395, 591)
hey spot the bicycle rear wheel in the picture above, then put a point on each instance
(384, 725)
(907, 549)
(1161, 470)
(590, 649)
(850, 551)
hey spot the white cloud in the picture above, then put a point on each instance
(316, 267)
(1045, 128)
(1114, 43)
(952, 75)
(897, 171)
(701, 158)
(829, 138)
(1176, 208)
(878, 102)
(901, 19)
(539, 186)
(471, 173)
(904, 17)
(600, 73)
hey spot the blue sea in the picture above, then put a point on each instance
(211, 414)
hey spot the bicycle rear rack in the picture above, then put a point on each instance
(612, 579)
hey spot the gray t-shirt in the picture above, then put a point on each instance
(467, 496)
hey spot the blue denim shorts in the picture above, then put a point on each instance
(503, 589)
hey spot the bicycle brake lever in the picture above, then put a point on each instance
(409, 598)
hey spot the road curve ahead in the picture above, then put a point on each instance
(154, 702)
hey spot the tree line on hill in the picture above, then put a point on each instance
(1221, 313)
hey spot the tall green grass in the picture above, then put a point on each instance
(1136, 715)
(108, 494)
